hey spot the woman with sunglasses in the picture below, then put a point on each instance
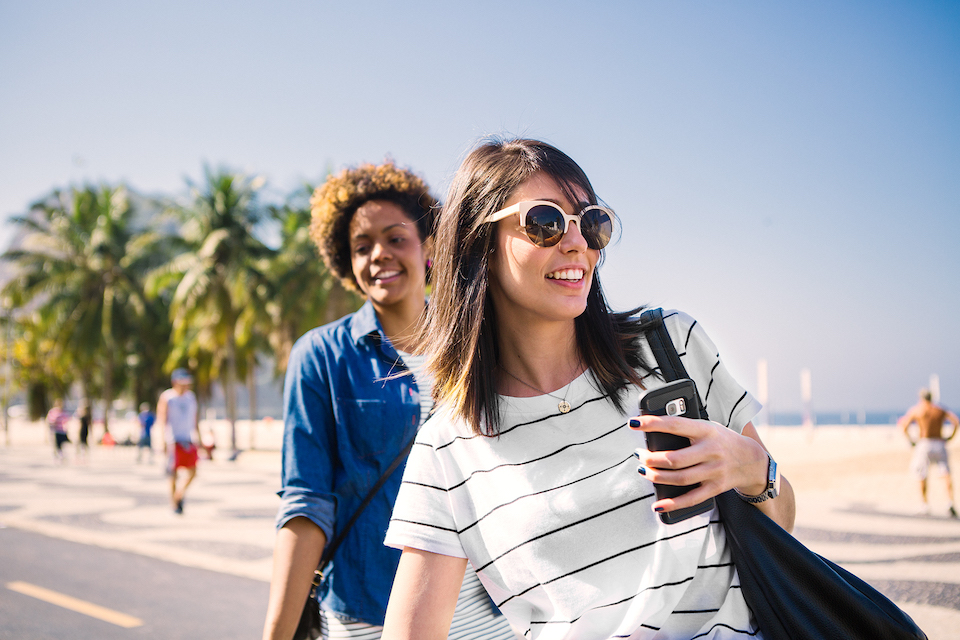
(528, 469)
(347, 415)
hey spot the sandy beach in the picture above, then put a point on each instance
(856, 504)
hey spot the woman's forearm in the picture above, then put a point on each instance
(424, 596)
(296, 554)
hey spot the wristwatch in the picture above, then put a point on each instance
(773, 484)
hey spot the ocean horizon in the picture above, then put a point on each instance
(865, 418)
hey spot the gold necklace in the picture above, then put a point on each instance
(563, 406)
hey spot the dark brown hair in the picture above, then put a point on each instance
(459, 334)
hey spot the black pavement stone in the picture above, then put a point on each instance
(808, 534)
(938, 594)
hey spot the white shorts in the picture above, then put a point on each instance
(930, 451)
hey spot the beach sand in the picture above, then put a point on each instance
(857, 505)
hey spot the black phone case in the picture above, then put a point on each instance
(655, 403)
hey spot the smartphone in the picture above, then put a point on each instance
(677, 398)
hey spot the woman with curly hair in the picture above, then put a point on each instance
(348, 414)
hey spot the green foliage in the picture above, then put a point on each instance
(304, 293)
(115, 295)
(79, 273)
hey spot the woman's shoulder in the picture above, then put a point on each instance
(675, 318)
(442, 428)
(687, 332)
(333, 335)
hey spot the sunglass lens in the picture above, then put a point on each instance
(596, 227)
(544, 225)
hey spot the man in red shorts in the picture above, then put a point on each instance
(177, 418)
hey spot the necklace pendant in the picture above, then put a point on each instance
(564, 406)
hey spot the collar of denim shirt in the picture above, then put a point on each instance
(365, 324)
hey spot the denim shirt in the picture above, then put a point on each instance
(344, 423)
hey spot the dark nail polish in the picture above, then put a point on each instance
(634, 423)
(658, 509)
(642, 470)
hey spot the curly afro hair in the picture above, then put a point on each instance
(335, 201)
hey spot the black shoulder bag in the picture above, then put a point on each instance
(309, 626)
(794, 593)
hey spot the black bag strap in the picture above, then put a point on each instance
(665, 352)
(341, 536)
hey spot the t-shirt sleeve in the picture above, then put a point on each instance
(726, 401)
(422, 516)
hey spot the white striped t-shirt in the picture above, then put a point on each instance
(557, 521)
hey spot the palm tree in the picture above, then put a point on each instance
(304, 294)
(80, 268)
(216, 279)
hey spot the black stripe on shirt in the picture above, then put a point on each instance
(693, 611)
(421, 484)
(618, 603)
(715, 566)
(546, 534)
(732, 411)
(522, 424)
(424, 524)
(720, 624)
(572, 445)
(689, 332)
(599, 562)
(545, 491)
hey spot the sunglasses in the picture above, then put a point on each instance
(545, 222)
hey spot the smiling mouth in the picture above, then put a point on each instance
(385, 275)
(571, 275)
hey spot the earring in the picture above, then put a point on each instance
(429, 263)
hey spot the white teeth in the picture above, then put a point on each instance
(566, 274)
(385, 274)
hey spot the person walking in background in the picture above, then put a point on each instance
(930, 445)
(348, 415)
(83, 448)
(177, 417)
(57, 421)
(146, 418)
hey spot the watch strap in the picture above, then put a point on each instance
(771, 491)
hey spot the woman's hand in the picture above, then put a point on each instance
(718, 458)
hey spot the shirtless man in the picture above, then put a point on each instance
(930, 447)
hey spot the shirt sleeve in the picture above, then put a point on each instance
(308, 439)
(423, 516)
(727, 402)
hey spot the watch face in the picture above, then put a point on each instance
(774, 480)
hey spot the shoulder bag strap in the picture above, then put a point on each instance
(339, 538)
(665, 352)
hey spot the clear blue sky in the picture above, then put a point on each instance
(788, 173)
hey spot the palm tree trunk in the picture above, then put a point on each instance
(229, 391)
(108, 343)
(252, 395)
(335, 300)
